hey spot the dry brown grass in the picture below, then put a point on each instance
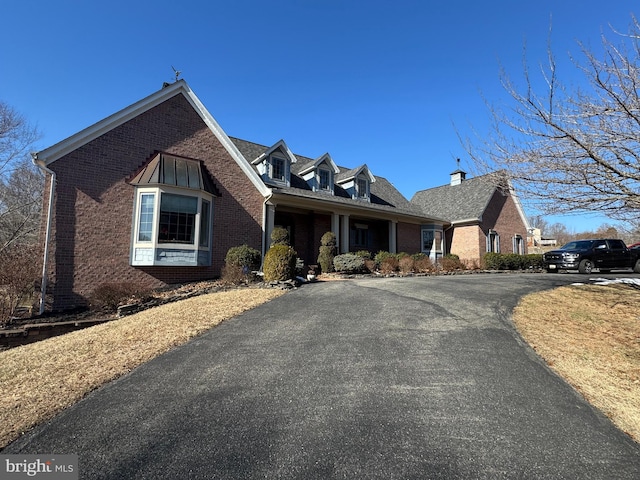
(590, 335)
(41, 379)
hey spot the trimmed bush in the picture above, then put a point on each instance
(327, 252)
(279, 263)
(279, 236)
(389, 264)
(511, 261)
(422, 263)
(451, 262)
(406, 264)
(349, 263)
(366, 254)
(243, 256)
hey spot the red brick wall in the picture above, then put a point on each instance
(93, 208)
(408, 238)
(501, 215)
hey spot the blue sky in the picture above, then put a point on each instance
(386, 83)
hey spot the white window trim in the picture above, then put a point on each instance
(319, 184)
(286, 166)
(357, 193)
(154, 244)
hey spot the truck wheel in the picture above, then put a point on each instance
(586, 266)
(637, 267)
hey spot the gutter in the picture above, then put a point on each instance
(52, 188)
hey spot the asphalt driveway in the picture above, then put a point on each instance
(377, 378)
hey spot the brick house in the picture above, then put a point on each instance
(484, 212)
(157, 193)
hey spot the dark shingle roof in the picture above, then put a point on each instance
(466, 201)
(384, 196)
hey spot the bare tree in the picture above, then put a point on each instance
(573, 150)
(20, 181)
(20, 205)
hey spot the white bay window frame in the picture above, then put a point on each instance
(148, 249)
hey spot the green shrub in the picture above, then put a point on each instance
(243, 256)
(327, 252)
(532, 260)
(279, 236)
(493, 261)
(279, 263)
(366, 254)
(348, 263)
(328, 239)
(511, 261)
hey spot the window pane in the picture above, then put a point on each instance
(277, 168)
(362, 188)
(325, 180)
(145, 225)
(204, 224)
(177, 218)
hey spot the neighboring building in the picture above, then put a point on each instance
(485, 215)
(157, 193)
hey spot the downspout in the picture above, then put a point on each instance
(52, 188)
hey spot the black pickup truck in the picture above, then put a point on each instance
(585, 255)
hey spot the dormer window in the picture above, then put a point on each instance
(320, 174)
(274, 165)
(362, 188)
(325, 180)
(278, 168)
(357, 182)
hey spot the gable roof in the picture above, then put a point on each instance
(326, 158)
(279, 145)
(465, 202)
(347, 175)
(60, 149)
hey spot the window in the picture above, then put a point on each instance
(278, 169)
(173, 207)
(361, 235)
(518, 244)
(432, 241)
(145, 225)
(362, 188)
(493, 242)
(177, 218)
(173, 228)
(204, 224)
(324, 179)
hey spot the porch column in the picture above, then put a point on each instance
(270, 215)
(344, 234)
(335, 226)
(393, 236)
